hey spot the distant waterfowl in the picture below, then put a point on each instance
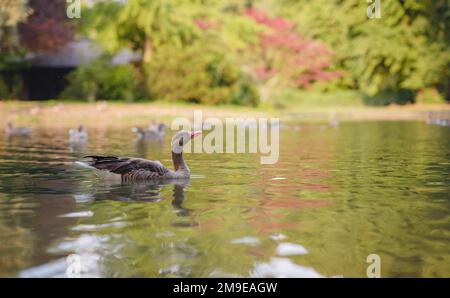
(149, 191)
(153, 132)
(78, 135)
(160, 127)
(17, 131)
(438, 121)
(130, 169)
(438, 118)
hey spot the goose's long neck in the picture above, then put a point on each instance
(179, 163)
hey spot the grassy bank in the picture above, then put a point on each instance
(111, 114)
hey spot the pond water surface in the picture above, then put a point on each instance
(336, 196)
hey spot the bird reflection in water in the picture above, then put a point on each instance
(77, 147)
(78, 139)
(148, 191)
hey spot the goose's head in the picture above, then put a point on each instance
(182, 138)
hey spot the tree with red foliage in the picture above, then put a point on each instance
(48, 27)
(283, 58)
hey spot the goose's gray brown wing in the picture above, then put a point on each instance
(129, 168)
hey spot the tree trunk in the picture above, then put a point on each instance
(148, 50)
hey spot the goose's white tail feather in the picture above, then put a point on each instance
(84, 165)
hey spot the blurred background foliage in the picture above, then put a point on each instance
(102, 80)
(240, 52)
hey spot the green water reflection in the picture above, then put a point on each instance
(340, 194)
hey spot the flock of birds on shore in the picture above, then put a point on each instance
(129, 169)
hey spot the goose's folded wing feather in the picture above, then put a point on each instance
(125, 165)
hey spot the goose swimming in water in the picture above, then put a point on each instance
(153, 132)
(17, 131)
(130, 169)
(78, 135)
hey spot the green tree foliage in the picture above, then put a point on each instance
(12, 14)
(429, 95)
(209, 78)
(142, 25)
(406, 49)
(183, 46)
(394, 58)
(145, 25)
(101, 80)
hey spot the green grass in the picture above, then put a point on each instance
(296, 99)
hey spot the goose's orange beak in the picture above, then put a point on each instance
(195, 133)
